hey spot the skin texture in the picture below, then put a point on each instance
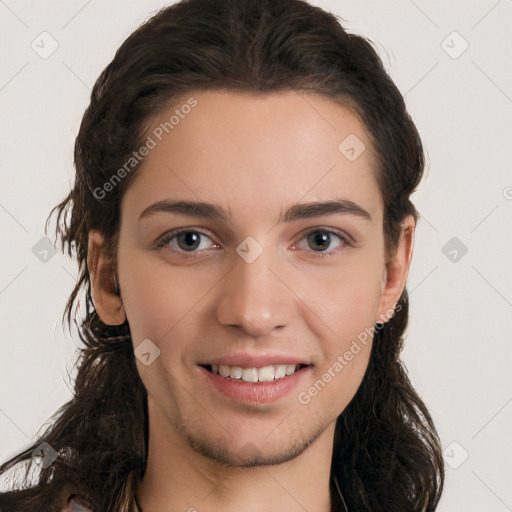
(255, 156)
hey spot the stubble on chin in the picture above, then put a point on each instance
(249, 455)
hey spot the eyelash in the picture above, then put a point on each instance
(165, 239)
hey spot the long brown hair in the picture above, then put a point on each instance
(387, 455)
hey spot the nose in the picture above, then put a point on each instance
(255, 297)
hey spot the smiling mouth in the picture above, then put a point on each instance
(255, 374)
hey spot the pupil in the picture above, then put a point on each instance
(190, 237)
(321, 238)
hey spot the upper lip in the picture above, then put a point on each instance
(256, 360)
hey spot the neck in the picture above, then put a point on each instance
(177, 477)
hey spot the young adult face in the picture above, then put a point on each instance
(210, 297)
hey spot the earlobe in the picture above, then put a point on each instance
(104, 289)
(396, 272)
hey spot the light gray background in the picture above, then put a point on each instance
(458, 348)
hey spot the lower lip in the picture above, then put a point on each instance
(254, 392)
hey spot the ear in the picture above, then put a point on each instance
(104, 289)
(395, 274)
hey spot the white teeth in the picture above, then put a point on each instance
(266, 374)
(263, 374)
(224, 370)
(280, 371)
(235, 372)
(290, 369)
(250, 374)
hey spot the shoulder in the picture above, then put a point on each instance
(76, 504)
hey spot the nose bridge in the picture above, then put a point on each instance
(253, 297)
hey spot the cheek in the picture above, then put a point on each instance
(161, 302)
(346, 334)
(346, 348)
(344, 298)
(344, 320)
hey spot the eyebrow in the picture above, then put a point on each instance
(294, 212)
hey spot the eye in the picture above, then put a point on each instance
(320, 239)
(184, 241)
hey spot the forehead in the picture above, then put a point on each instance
(257, 152)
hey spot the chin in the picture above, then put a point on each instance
(266, 451)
